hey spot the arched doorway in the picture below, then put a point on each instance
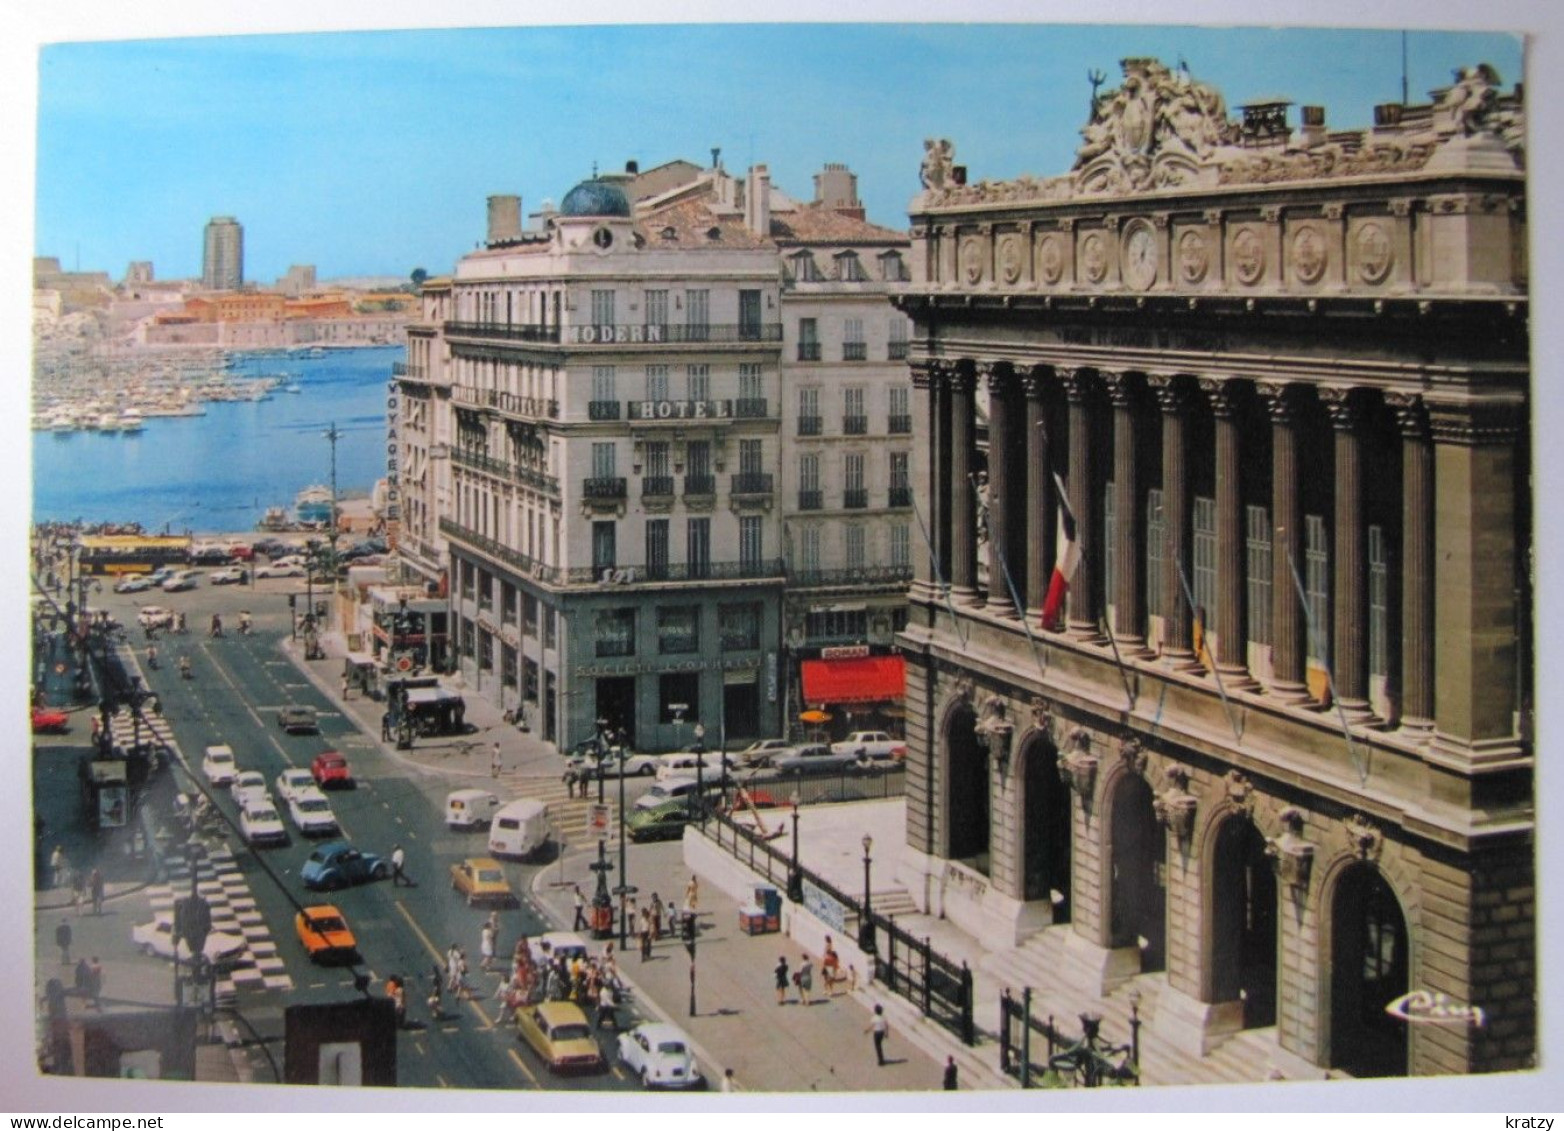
(1243, 922)
(1139, 874)
(1045, 829)
(966, 759)
(1369, 969)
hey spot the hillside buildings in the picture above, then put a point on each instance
(1272, 765)
(624, 436)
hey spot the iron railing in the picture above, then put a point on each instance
(657, 485)
(700, 484)
(809, 425)
(808, 351)
(855, 425)
(752, 483)
(479, 461)
(810, 500)
(898, 425)
(896, 351)
(855, 351)
(602, 410)
(900, 497)
(608, 487)
(750, 408)
(1085, 1062)
(859, 575)
(503, 331)
(855, 498)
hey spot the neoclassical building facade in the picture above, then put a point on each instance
(1276, 752)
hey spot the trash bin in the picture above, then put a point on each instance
(769, 900)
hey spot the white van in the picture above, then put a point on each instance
(682, 764)
(519, 828)
(470, 808)
(670, 790)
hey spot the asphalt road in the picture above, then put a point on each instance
(238, 685)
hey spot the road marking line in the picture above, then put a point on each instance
(419, 1045)
(437, 955)
(442, 1080)
(620, 1072)
(525, 1071)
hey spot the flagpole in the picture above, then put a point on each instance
(1129, 694)
(934, 569)
(1040, 658)
(1330, 680)
(1189, 598)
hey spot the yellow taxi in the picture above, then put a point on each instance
(482, 880)
(325, 934)
(558, 1032)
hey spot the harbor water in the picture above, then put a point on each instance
(222, 470)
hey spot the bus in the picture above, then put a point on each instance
(115, 554)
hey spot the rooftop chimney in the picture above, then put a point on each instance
(633, 167)
(757, 201)
(504, 219)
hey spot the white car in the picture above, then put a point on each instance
(260, 823)
(219, 766)
(248, 784)
(133, 583)
(157, 937)
(758, 753)
(660, 1055)
(229, 575)
(184, 579)
(284, 567)
(619, 763)
(872, 744)
(311, 813)
(291, 783)
(155, 616)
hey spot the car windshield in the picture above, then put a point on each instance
(313, 805)
(267, 814)
(220, 757)
(327, 923)
(672, 1048)
(571, 1032)
(332, 763)
(490, 876)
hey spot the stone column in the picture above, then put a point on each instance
(1417, 565)
(1040, 547)
(1288, 640)
(939, 470)
(1231, 653)
(997, 377)
(1129, 615)
(963, 533)
(925, 466)
(1173, 397)
(1080, 617)
(1349, 588)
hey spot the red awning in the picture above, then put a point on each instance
(864, 679)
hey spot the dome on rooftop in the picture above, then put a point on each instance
(595, 198)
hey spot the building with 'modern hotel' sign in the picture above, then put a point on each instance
(1272, 766)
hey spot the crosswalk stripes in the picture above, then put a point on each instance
(569, 817)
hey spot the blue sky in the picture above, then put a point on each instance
(372, 152)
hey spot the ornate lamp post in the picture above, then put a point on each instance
(698, 798)
(866, 924)
(795, 877)
(602, 904)
(625, 889)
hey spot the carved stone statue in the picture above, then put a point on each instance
(1153, 130)
(939, 157)
(1471, 101)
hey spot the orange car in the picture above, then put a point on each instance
(325, 934)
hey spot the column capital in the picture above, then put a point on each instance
(962, 379)
(1077, 384)
(1411, 414)
(1281, 400)
(1122, 385)
(941, 369)
(994, 374)
(923, 372)
(1222, 394)
(1035, 382)
(1171, 390)
(1343, 405)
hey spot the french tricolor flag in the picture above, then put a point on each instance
(1065, 561)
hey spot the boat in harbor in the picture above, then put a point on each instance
(313, 505)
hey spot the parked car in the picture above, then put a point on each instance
(620, 762)
(759, 752)
(559, 1033)
(160, 575)
(470, 808)
(664, 822)
(340, 865)
(813, 759)
(157, 937)
(247, 784)
(270, 548)
(873, 744)
(660, 1055)
(298, 720)
(311, 813)
(184, 579)
(260, 823)
(50, 720)
(219, 766)
(292, 782)
(283, 568)
(325, 934)
(672, 789)
(229, 575)
(133, 583)
(331, 771)
(154, 616)
(481, 880)
(685, 763)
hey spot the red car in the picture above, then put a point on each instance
(47, 720)
(330, 771)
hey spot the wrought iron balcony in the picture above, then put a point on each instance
(504, 332)
(478, 461)
(808, 351)
(659, 485)
(810, 500)
(855, 498)
(533, 408)
(752, 483)
(855, 425)
(521, 563)
(700, 484)
(856, 575)
(900, 497)
(604, 488)
(899, 425)
(763, 568)
(897, 351)
(602, 410)
(809, 425)
(750, 408)
(855, 351)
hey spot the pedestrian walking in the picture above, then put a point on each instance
(95, 983)
(95, 885)
(950, 1074)
(692, 895)
(62, 939)
(879, 1027)
(346, 686)
(781, 978)
(59, 867)
(78, 890)
(606, 1007)
(580, 902)
(435, 1001)
(398, 995)
(398, 863)
(486, 947)
(453, 958)
(495, 763)
(805, 979)
(727, 1081)
(83, 976)
(657, 917)
(385, 726)
(646, 933)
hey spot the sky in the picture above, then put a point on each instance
(372, 153)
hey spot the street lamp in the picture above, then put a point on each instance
(624, 890)
(698, 798)
(866, 924)
(602, 904)
(795, 878)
